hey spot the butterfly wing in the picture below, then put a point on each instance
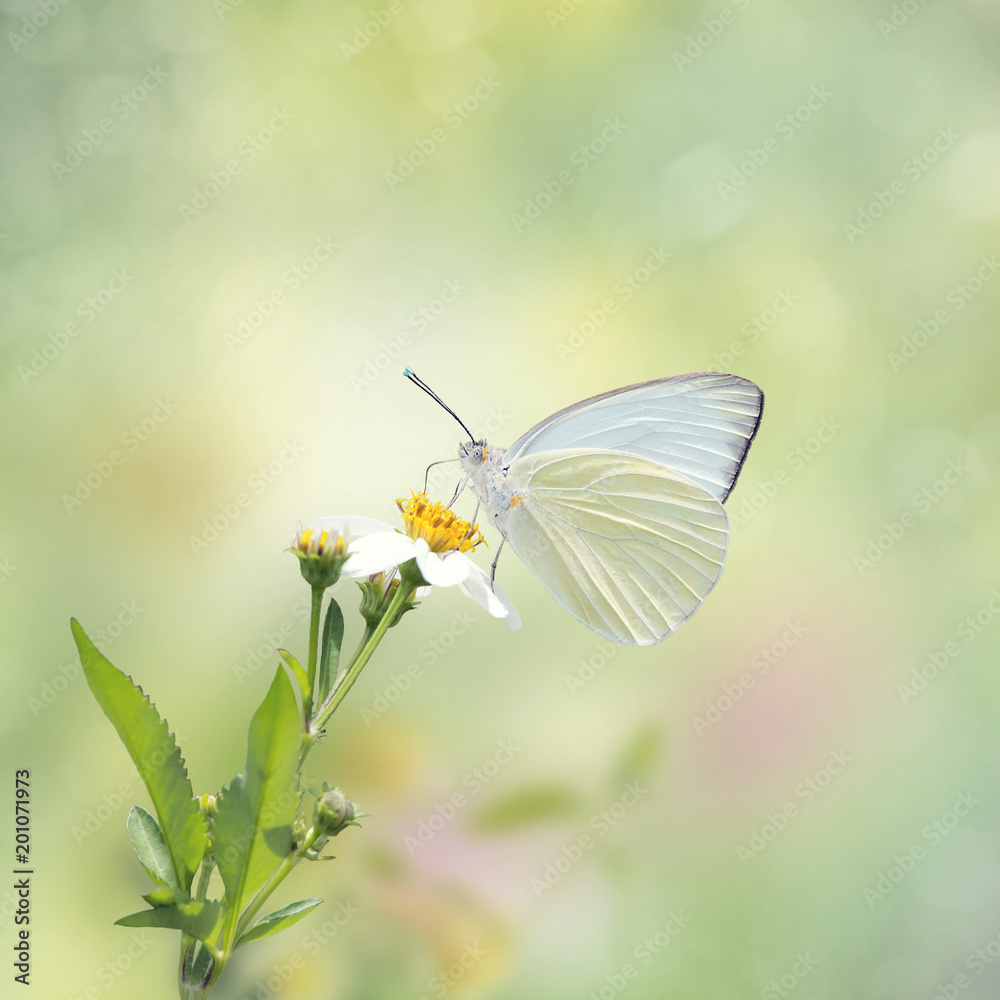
(625, 545)
(698, 425)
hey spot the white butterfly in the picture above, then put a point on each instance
(615, 503)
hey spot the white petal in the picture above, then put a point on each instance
(444, 571)
(513, 619)
(352, 525)
(497, 603)
(376, 552)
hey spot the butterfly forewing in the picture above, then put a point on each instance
(697, 425)
(625, 545)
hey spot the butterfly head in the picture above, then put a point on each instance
(472, 453)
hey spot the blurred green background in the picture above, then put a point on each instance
(226, 227)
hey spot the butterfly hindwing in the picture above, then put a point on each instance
(625, 545)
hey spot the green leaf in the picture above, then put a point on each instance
(333, 639)
(197, 966)
(155, 753)
(279, 920)
(200, 918)
(300, 674)
(150, 847)
(252, 829)
(526, 807)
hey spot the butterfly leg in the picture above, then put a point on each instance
(472, 522)
(493, 568)
(427, 474)
(458, 491)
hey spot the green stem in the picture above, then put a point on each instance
(205, 876)
(314, 618)
(368, 633)
(222, 956)
(312, 735)
(314, 723)
(403, 593)
(277, 877)
(186, 942)
(201, 893)
(195, 992)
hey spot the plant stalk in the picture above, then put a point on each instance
(403, 593)
(311, 665)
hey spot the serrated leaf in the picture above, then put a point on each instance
(526, 807)
(252, 829)
(333, 639)
(278, 920)
(150, 847)
(199, 919)
(156, 755)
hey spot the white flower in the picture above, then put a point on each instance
(435, 538)
(324, 547)
(331, 533)
(380, 552)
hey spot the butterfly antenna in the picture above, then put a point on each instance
(421, 384)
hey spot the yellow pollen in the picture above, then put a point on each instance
(318, 542)
(441, 528)
(516, 499)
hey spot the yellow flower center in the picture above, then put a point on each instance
(441, 528)
(314, 542)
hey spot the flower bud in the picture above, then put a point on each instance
(377, 593)
(334, 811)
(321, 555)
(206, 803)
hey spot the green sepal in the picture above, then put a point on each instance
(200, 918)
(300, 674)
(255, 814)
(329, 659)
(156, 755)
(278, 920)
(150, 847)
